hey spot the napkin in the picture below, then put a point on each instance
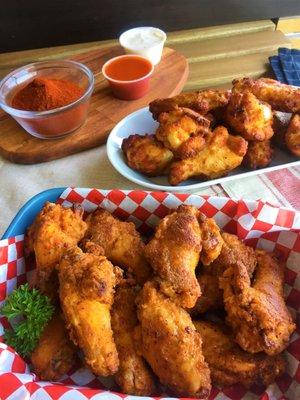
(286, 66)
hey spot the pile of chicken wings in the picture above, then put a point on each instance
(190, 308)
(206, 134)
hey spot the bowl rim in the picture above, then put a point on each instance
(15, 112)
(126, 56)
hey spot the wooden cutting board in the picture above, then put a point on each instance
(105, 111)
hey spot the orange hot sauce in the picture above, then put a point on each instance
(128, 68)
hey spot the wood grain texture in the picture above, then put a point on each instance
(10, 61)
(105, 111)
(232, 46)
(289, 25)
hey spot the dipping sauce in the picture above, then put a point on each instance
(128, 76)
(145, 41)
(128, 68)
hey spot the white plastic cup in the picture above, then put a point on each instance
(146, 41)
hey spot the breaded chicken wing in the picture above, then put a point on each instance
(259, 155)
(174, 253)
(134, 376)
(86, 289)
(256, 310)
(171, 345)
(54, 229)
(233, 250)
(182, 131)
(249, 117)
(212, 241)
(54, 354)
(146, 155)
(281, 97)
(292, 136)
(202, 101)
(221, 154)
(230, 365)
(120, 241)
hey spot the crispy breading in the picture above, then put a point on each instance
(121, 243)
(221, 154)
(182, 131)
(54, 354)
(54, 229)
(292, 136)
(212, 241)
(134, 376)
(249, 117)
(146, 155)
(230, 365)
(174, 253)
(233, 250)
(171, 344)
(256, 310)
(202, 101)
(281, 97)
(86, 290)
(259, 155)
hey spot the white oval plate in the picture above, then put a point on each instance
(141, 122)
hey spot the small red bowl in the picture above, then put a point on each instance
(128, 76)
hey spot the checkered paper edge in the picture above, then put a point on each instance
(258, 223)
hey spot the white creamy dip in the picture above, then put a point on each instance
(145, 41)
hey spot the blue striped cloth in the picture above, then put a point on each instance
(286, 66)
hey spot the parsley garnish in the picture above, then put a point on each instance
(32, 311)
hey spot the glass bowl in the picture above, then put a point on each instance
(53, 123)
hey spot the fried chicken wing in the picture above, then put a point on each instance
(174, 253)
(202, 101)
(120, 241)
(249, 117)
(256, 310)
(281, 97)
(86, 289)
(259, 155)
(134, 376)
(182, 131)
(212, 241)
(292, 136)
(54, 354)
(146, 155)
(230, 365)
(232, 251)
(171, 345)
(54, 229)
(221, 154)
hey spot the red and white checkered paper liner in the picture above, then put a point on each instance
(260, 224)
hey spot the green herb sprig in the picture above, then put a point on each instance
(29, 311)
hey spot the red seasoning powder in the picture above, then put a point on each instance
(46, 94)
